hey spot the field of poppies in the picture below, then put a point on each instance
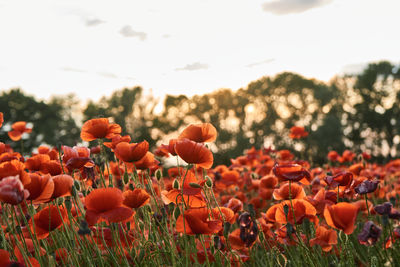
(116, 204)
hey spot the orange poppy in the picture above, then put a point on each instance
(131, 152)
(53, 167)
(320, 199)
(14, 168)
(200, 133)
(324, 237)
(285, 155)
(340, 179)
(62, 185)
(333, 156)
(147, 162)
(296, 192)
(196, 221)
(49, 219)
(12, 191)
(30, 251)
(116, 140)
(227, 214)
(196, 153)
(40, 188)
(302, 209)
(227, 179)
(1, 119)
(99, 128)
(106, 204)
(19, 128)
(77, 157)
(291, 172)
(234, 204)
(136, 198)
(297, 132)
(36, 162)
(341, 216)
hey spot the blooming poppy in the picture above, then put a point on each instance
(291, 172)
(131, 152)
(136, 198)
(333, 156)
(227, 179)
(147, 162)
(234, 204)
(196, 221)
(106, 204)
(99, 128)
(62, 185)
(14, 168)
(296, 192)
(320, 199)
(116, 140)
(347, 156)
(30, 251)
(49, 219)
(40, 188)
(297, 132)
(19, 128)
(12, 191)
(285, 155)
(200, 133)
(227, 214)
(340, 179)
(341, 216)
(36, 162)
(324, 237)
(196, 153)
(77, 157)
(283, 212)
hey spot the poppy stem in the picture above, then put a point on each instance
(366, 203)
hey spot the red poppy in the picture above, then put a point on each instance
(340, 179)
(341, 216)
(200, 133)
(12, 191)
(62, 185)
(36, 162)
(285, 155)
(324, 237)
(196, 221)
(77, 157)
(196, 153)
(302, 209)
(147, 162)
(296, 192)
(131, 152)
(333, 156)
(227, 214)
(347, 156)
(234, 204)
(106, 204)
(136, 198)
(291, 172)
(99, 128)
(19, 128)
(40, 188)
(297, 132)
(116, 140)
(49, 219)
(14, 168)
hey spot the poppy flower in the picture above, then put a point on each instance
(49, 219)
(131, 152)
(227, 179)
(347, 156)
(147, 162)
(106, 204)
(341, 216)
(242, 238)
(291, 172)
(12, 191)
(369, 234)
(40, 188)
(297, 132)
(1, 119)
(30, 251)
(196, 153)
(99, 128)
(234, 204)
(200, 133)
(321, 199)
(324, 237)
(283, 212)
(14, 168)
(227, 214)
(19, 128)
(62, 185)
(136, 198)
(116, 140)
(333, 156)
(341, 179)
(282, 193)
(196, 221)
(77, 157)
(366, 187)
(36, 162)
(285, 155)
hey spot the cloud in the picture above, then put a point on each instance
(127, 31)
(260, 62)
(107, 75)
(194, 66)
(93, 22)
(72, 69)
(283, 7)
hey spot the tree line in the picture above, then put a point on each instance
(359, 112)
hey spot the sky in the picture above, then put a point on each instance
(93, 47)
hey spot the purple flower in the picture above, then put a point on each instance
(369, 234)
(366, 187)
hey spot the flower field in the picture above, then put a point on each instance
(116, 204)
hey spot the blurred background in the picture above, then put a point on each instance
(253, 70)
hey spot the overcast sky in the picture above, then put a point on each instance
(92, 47)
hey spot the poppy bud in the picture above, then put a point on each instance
(68, 203)
(227, 227)
(131, 187)
(73, 191)
(209, 182)
(158, 174)
(175, 184)
(177, 213)
(60, 201)
(77, 185)
(126, 178)
(254, 176)
(195, 185)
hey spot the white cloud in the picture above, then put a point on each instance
(283, 7)
(260, 63)
(93, 22)
(127, 31)
(194, 66)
